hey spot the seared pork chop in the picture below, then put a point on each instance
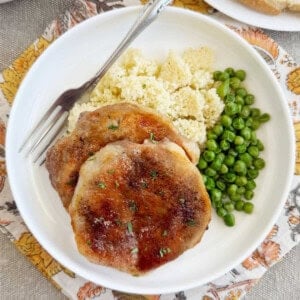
(138, 206)
(96, 129)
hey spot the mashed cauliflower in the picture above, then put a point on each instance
(180, 88)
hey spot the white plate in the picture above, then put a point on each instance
(71, 60)
(286, 21)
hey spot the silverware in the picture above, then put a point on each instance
(49, 126)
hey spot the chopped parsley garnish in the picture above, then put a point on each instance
(88, 242)
(129, 227)
(111, 171)
(191, 222)
(101, 185)
(152, 138)
(165, 233)
(113, 127)
(144, 85)
(153, 174)
(132, 206)
(91, 158)
(144, 184)
(164, 251)
(134, 250)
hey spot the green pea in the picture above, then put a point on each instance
(211, 145)
(220, 156)
(264, 118)
(240, 74)
(246, 133)
(228, 206)
(241, 92)
(224, 76)
(221, 212)
(228, 135)
(253, 151)
(218, 129)
(224, 145)
(249, 194)
(260, 145)
(209, 155)
(229, 98)
(229, 160)
(239, 166)
(229, 177)
(210, 183)
(253, 138)
(248, 207)
(255, 113)
(229, 219)
(255, 124)
(252, 173)
(251, 185)
(220, 185)
(211, 136)
(235, 197)
(232, 189)
(229, 71)
(238, 140)
(216, 195)
(245, 112)
(241, 181)
(223, 89)
(249, 122)
(204, 178)
(249, 99)
(216, 75)
(226, 121)
(239, 205)
(232, 152)
(246, 158)
(241, 148)
(235, 82)
(241, 190)
(202, 164)
(259, 163)
(210, 172)
(238, 123)
(216, 165)
(231, 109)
(223, 169)
(239, 100)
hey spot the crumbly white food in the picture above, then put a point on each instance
(180, 88)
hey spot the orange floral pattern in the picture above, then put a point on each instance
(89, 291)
(293, 81)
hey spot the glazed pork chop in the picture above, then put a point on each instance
(96, 129)
(138, 206)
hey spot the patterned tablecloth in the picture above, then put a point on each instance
(285, 233)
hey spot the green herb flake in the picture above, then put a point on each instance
(132, 206)
(164, 251)
(144, 184)
(153, 174)
(117, 184)
(91, 158)
(165, 233)
(152, 138)
(111, 171)
(129, 227)
(101, 185)
(191, 222)
(144, 85)
(113, 127)
(88, 242)
(134, 250)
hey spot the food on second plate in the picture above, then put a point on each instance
(180, 87)
(230, 162)
(273, 7)
(96, 129)
(138, 206)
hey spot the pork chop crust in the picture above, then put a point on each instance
(138, 206)
(96, 129)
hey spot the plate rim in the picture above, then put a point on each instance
(63, 258)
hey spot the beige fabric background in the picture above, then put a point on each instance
(21, 21)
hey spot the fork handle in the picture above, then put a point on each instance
(147, 16)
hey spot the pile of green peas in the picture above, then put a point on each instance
(230, 162)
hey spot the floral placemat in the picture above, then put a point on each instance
(284, 235)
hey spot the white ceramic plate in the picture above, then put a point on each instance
(286, 21)
(71, 60)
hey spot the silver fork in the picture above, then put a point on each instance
(52, 122)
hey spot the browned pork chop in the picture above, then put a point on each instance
(96, 129)
(138, 206)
